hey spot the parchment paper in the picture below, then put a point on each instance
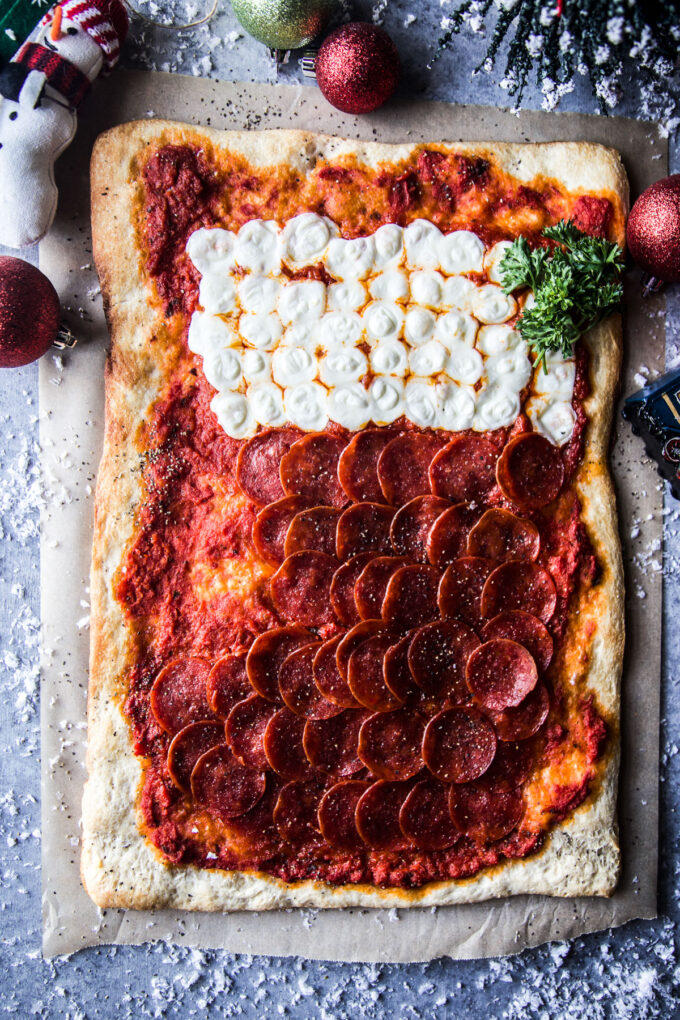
(71, 404)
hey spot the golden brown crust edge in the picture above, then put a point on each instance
(119, 867)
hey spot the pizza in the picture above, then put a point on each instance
(357, 623)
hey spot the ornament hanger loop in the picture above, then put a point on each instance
(171, 27)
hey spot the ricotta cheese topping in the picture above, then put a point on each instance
(404, 328)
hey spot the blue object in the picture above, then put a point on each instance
(654, 413)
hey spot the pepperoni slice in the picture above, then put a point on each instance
(268, 653)
(298, 689)
(224, 786)
(358, 465)
(295, 814)
(448, 537)
(521, 722)
(331, 744)
(352, 639)
(461, 587)
(227, 684)
(459, 744)
(342, 588)
(256, 827)
(283, 745)
(371, 585)
(271, 527)
(188, 746)
(437, 657)
(397, 675)
(245, 728)
(517, 585)
(513, 763)
(500, 535)
(310, 469)
(313, 529)
(364, 527)
(179, 696)
(486, 811)
(424, 817)
(377, 815)
(337, 814)
(500, 674)
(526, 630)
(411, 526)
(404, 465)
(327, 676)
(465, 470)
(301, 588)
(411, 596)
(530, 471)
(390, 744)
(257, 466)
(365, 676)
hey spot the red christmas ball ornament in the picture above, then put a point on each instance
(653, 232)
(357, 67)
(29, 312)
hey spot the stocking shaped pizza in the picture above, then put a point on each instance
(40, 92)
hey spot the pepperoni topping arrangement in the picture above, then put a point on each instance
(399, 701)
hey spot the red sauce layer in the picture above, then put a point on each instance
(193, 521)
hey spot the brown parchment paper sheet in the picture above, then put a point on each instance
(71, 421)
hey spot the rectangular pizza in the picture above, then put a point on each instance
(357, 623)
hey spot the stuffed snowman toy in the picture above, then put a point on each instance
(40, 91)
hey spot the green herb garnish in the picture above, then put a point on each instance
(576, 284)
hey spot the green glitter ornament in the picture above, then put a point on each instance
(284, 24)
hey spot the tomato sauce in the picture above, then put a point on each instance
(190, 583)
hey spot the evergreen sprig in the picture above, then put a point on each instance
(576, 284)
(555, 39)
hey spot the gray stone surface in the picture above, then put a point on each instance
(629, 973)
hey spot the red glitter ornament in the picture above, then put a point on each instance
(357, 67)
(29, 312)
(653, 232)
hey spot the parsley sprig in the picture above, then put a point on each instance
(576, 284)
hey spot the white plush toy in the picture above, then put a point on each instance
(40, 91)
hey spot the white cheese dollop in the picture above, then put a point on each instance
(347, 296)
(493, 258)
(422, 239)
(234, 414)
(421, 402)
(266, 403)
(490, 304)
(455, 327)
(217, 294)
(512, 368)
(305, 238)
(208, 333)
(497, 407)
(261, 331)
(258, 247)
(464, 363)
(350, 405)
(461, 252)
(427, 288)
(383, 320)
(258, 294)
(428, 359)
(554, 419)
(456, 406)
(256, 365)
(419, 326)
(389, 245)
(498, 339)
(302, 301)
(350, 259)
(222, 368)
(306, 406)
(339, 328)
(293, 365)
(387, 395)
(211, 250)
(557, 382)
(343, 365)
(389, 357)
(459, 292)
(392, 285)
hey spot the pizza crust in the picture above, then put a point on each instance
(119, 866)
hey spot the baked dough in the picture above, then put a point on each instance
(120, 867)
